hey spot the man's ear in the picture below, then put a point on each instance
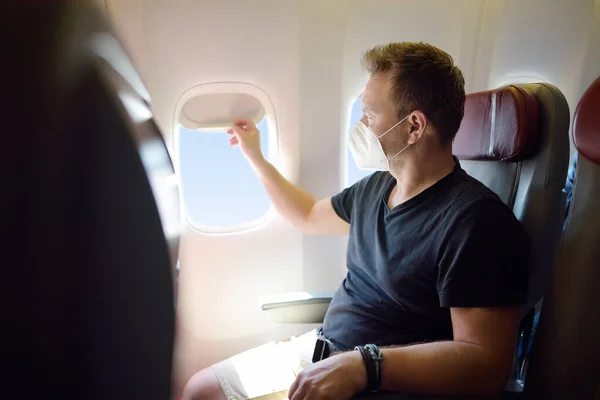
(417, 124)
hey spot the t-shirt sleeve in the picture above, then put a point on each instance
(484, 262)
(343, 201)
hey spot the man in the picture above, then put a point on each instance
(432, 297)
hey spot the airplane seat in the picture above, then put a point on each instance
(565, 359)
(87, 308)
(523, 157)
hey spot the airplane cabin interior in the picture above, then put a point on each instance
(141, 247)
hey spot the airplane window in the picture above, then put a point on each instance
(354, 174)
(220, 191)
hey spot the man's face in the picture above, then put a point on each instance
(379, 113)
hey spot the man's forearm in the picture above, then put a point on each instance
(293, 203)
(449, 367)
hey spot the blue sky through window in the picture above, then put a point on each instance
(219, 188)
(354, 173)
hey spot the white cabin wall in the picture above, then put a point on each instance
(549, 40)
(306, 55)
(532, 38)
(322, 29)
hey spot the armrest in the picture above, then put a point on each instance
(297, 307)
(512, 391)
(399, 396)
(406, 396)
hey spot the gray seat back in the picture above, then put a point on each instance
(565, 361)
(515, 141)
(87, 302)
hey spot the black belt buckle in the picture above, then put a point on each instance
(322, 350)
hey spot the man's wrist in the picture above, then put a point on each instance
(372, 359)
(357, 370)
(259, 163)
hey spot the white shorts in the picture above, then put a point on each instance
(268, 371)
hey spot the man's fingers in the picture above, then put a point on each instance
(299, 394)
(245, 124)
(238, 130)
(233, 141)
(293, 388)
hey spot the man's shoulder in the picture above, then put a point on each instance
(484, 251)
(467, 192)
(473, 202)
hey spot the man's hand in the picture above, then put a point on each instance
(338, 377)
(247, 136)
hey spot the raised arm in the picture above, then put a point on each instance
(312, 216)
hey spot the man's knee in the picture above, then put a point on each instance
(204, 385)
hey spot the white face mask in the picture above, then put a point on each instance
(366, 148)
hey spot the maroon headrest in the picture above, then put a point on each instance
(499, 124)
(586, 123)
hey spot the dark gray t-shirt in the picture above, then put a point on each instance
(456, 244)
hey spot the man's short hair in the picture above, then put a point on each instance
(424, 78)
